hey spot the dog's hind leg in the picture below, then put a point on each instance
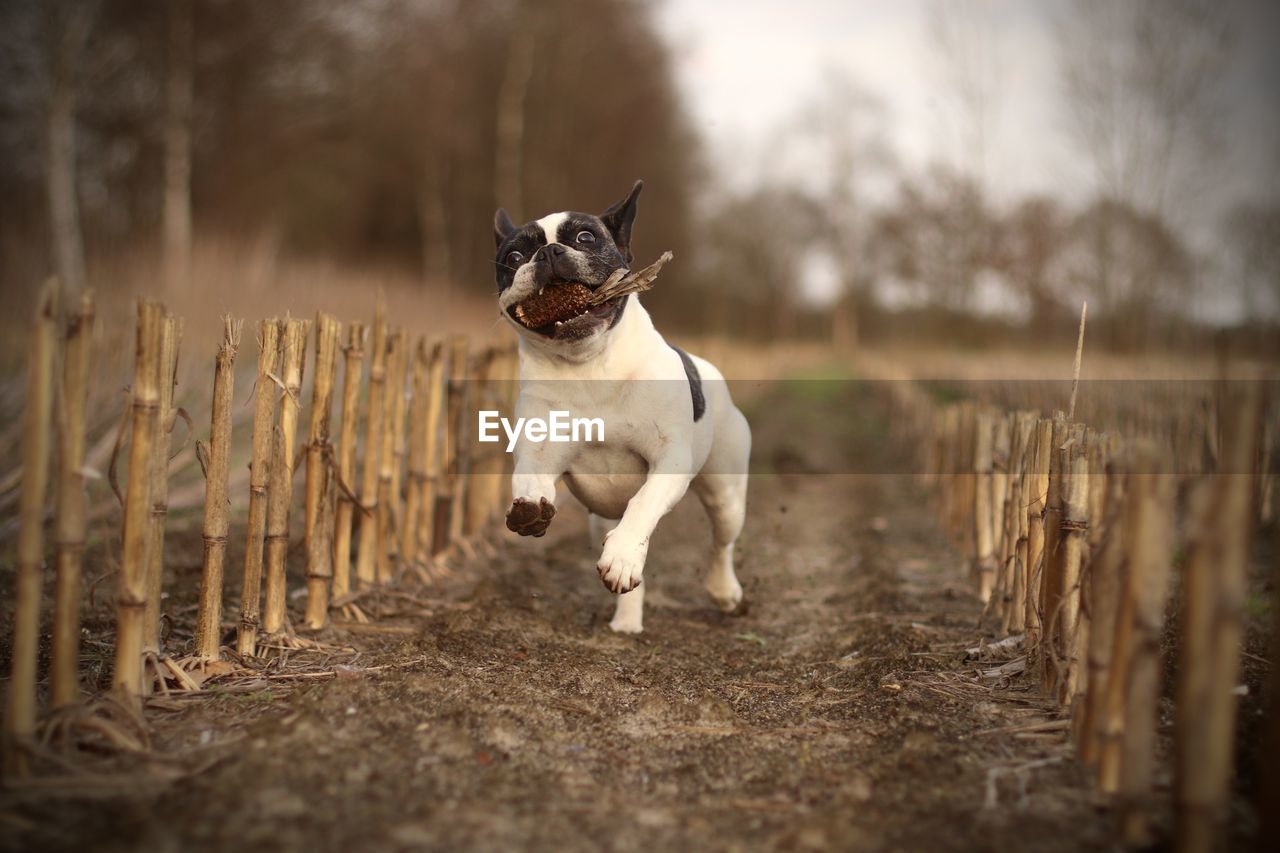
(628, 614)
(722, 488)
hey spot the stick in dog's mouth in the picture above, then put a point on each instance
(551, 310)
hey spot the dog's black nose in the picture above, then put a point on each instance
(555, 249)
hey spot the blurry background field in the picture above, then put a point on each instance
(920, 176)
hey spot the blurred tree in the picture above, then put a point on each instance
(936, 238)
(757, 243)
(69, 23)
(962, 40)
(177, 144)
(837, 150)
(366, 130)
(1028, 240)
(1141, 81)
(1130, 265)
(1251, 235)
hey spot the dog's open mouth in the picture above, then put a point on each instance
(576, 322)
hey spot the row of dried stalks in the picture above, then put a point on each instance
(421, 494)
(1072, 538)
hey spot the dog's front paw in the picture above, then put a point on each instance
(621, 564)
(530, 519)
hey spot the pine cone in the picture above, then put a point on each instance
(557, 302)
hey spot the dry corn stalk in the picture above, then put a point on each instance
(388, 476)
(1104, 594)
(1000, 443)
(1016, 522)
(131, 596)
(319, 486)
(208, 640)
(432, 449)
(20, 721)
(64, 679)
(1035, 489)
(1149, 553)
(353, 355)
(264, 415)
(367, 553)
(399, 440)
(293, 352)
(320, 554)
(1216, 581)
(319, 448)
(1073, 620)
(417, 471)
(983, 505)
(170, 341)
(1051, 573)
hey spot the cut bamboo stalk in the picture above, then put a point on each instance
(1013, 617)
(353, 356)
(319, 449)
(1051, 574)
(20, 722)
(1105, 592)
(432, 449)
(1149, 553)
(69, 524)
(1215, 585)
(320, 554)
(393, 403)
(417, 468)
(1001, 440)
(293, 353)
(1035, 490)
(264, 416)
(1075, 530)
(208, 642)
(1075, 368)
(277, 539)
(399, 441)
(367, 552)
(983, 533)
(131, 595)
(170, 341)
(320, 462)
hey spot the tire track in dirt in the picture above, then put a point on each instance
(518, 720)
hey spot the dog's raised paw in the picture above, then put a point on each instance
(620, 568)
(530, 519)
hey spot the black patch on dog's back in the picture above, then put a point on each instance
(695, 384)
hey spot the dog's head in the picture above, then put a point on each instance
(559, 249)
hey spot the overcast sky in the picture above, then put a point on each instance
(745, 66)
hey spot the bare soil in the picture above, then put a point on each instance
(497, 710)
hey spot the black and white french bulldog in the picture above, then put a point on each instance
(670, 424)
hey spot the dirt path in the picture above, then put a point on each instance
(836, 713)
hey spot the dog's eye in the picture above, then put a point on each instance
(586, 237)
(514, 259)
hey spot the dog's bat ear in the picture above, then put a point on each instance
(619, 218)
(503, 227)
